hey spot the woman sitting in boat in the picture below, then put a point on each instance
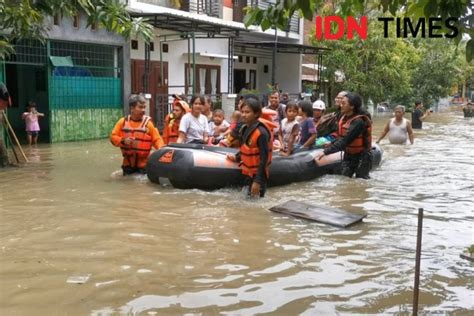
(355, 138)
(172, 120)
(194, 128)
(255, 153)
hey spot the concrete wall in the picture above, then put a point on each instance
(66, 31)
(288, 72)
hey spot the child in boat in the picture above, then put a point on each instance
(218, 126)
(31, 121)
(255, 154)
(289, 129)
(232, 133)
(307, 129)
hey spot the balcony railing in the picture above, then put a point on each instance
(293, 25)
(207, 7)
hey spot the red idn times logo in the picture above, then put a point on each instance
(324, 25)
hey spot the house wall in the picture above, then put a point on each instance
(177, 58)
(288, 72)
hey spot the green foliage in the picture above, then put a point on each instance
(437, 70)
(378, 68)
(278, 14)
(470, 249)
(27, 18)
(395, 69)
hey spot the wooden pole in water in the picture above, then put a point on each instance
(14, 136)
(418, 261)
(11, 142)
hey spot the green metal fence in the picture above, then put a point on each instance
(85, 100)
(84, 107)
(73, 92)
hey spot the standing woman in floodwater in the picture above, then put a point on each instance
(255, 153)
(355, 138)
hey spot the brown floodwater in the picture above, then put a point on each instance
(142, 249)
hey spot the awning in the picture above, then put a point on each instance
(312, 78)
(211, 55)
(313, 66)
(282, 47)
(182, 21)
(61, 61)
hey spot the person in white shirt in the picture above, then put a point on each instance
(194, 127)
(399, 129)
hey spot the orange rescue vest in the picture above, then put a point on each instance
(142, 140)
(363, 142)
(171, 130)
(250, 153)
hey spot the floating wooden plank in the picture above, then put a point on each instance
(318, 213)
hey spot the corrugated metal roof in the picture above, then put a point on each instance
(181, 21)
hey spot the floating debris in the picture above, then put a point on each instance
(78, 279)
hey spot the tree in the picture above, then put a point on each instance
(279, 14)
(437, 71)
(27, 19)
(378, 68)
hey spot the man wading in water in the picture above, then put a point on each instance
(135, 134)
(417, 117)
(398, 128)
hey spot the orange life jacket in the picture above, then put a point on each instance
(171, 129)
(142, 140)
(250, 153)
(363, 142)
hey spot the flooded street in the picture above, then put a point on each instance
(150, 250)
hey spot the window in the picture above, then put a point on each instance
(75, 21)
(255, 60)
(241, 58)
(247, 59)
(134, 44)
(152, 47)
(253, 79)
(165, 48)
(207, 79)
(56, 19)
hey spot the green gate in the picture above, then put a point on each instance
(85, 91)
(77, 85)
(82, 106)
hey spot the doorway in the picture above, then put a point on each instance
(239, 80)
(27, 83)
(156, 86)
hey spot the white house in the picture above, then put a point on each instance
(209, 37)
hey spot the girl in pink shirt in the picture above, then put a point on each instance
(31, 120)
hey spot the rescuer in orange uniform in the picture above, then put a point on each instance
(135, 134)
(255, 153)
(355, 138)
